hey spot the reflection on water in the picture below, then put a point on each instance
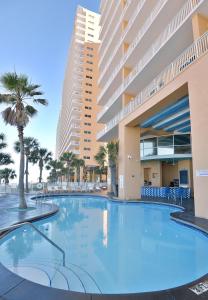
(125, 247)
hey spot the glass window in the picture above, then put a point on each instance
(186, 149)
(165, 141)
(150, 151)
(150, 143)
(183, 176)
(182, 139)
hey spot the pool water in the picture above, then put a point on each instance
(110, 248)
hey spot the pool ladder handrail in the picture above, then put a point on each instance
(43, 235)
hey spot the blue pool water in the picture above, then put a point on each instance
(110, 248)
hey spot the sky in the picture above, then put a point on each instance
(34, 40)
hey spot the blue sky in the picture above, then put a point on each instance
(34, 39)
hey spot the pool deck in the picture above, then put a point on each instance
(10, 217)
(13, 287)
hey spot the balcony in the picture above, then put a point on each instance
(138, 38)
(166, 147)
(186, 59)
(170, 35)
(119, 22)
(103, 36)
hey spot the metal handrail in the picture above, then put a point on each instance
(43, 235)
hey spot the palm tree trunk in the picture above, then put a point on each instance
(41, 174)
(113, 180)
(78, 174)
(22, 201)
(41, 170)
(26, 175)
(68, 174)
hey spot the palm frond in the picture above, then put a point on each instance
(9, 81)
(41, 101)
(30, 110)
(35, 93)
(7, 99)
(2, 137)
(9, 116)
(17, 146)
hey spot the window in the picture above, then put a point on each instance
(88, 84)
(87, 149)
(88, 99)
(86, 157)
(90, 55)
(91, 35)
(91, 16)
(87, 124)
(88, 69)
(87, 140)
(87, 116)
(89, 62)
(183, 175)
(90, 28)
(91, 22)
(87, 132)
(90, 48)
(88, 92)
(87, 76)
(88, 107)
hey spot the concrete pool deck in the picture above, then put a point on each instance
(10, 216)
(13, 287)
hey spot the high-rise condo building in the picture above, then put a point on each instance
(77, 126)
(153, 80)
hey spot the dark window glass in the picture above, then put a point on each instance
(165, 141)
(182, 139)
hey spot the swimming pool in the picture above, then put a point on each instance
(110, 248)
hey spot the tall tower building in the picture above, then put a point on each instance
(77, 125)
(153, 62)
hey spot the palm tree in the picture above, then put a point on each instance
(110, 154)
(30, 145)
(18, 93)
(68, 158)
(100, 158)
(77, 164)
(41, 156)
(7, 174)
(5, 158)
(57, 170)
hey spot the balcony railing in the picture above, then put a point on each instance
(109, 24)
(172, 27)
(135, 42)
(187, 58)
(106, 15)
(115, 30)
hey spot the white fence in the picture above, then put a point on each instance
(56, 187)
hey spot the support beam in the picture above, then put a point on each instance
(198, 91)
(199, 25)
(129, 162)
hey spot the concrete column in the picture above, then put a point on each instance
(198, 93)
(129, 178)
(199, 25)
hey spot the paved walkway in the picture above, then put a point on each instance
(9, 215)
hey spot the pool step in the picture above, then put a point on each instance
(70, 277)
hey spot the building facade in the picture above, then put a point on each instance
(153, 62)
(77, 125)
